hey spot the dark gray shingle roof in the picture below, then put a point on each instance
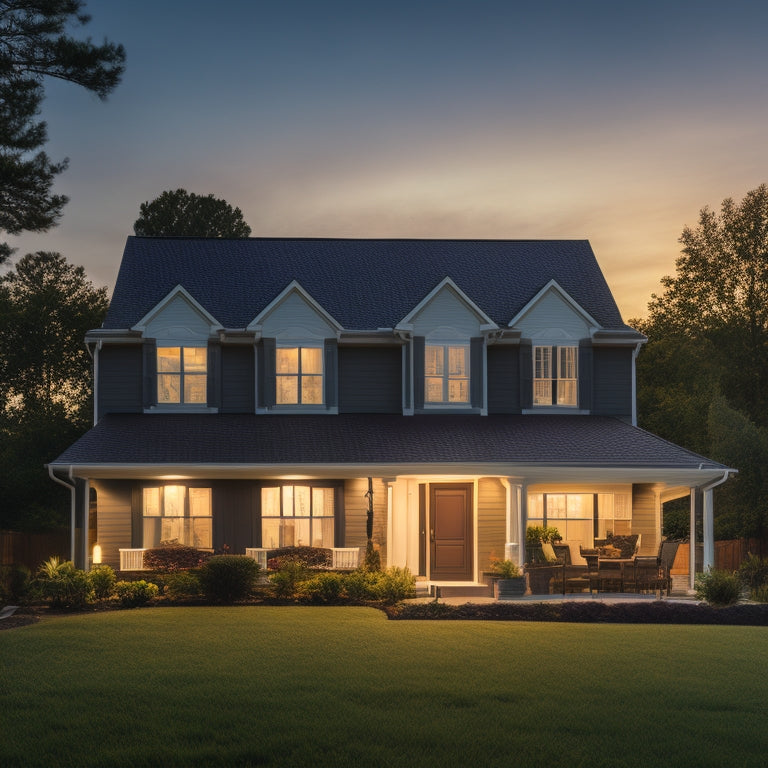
(360, 439)
(363, 284)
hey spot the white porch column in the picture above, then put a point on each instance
(513, 548)
(709, 531)
(692, 542)
(85, 511)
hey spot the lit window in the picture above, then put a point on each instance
(175, 514)
(297, 516)
(446, 373)
(299, 375)
(182, 375)
(555, 376)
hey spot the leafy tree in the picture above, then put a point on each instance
(186, 214)
(33, 46)
(46, 307)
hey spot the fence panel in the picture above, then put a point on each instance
(31, 549)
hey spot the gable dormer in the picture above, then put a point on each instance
(298, 354)
(178, 364)
(448, 350)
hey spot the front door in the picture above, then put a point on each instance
(450, 532)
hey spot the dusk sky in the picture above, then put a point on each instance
(608, 121)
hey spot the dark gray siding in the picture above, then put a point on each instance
(120, 379)
(236, 520)
(238, 379)
(612, 382)
(503, 379)
(370, 379)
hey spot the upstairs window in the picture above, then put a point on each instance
(182, 375)
(555, 376)
(299, 373)
(446, 374)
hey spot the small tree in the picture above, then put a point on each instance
(186, 214)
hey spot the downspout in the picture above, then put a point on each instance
(73, 505)
(94, 353)
(708, 519)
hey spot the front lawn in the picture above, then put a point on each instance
(304, 686)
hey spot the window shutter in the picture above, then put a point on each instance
(214, 375)
(418, 372)
(331, 364)
(149, 395)
(585, 375)
(270, 371)
(476, 387)
(526, 374)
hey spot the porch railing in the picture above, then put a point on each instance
(342, 558)
(132, 559)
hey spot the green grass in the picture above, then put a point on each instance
(252, 686)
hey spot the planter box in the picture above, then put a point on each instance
(507, 589)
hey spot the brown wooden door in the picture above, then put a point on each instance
(450, 532)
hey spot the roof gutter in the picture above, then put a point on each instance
(73, 503)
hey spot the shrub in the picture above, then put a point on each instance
(286, 579)
(227, 578)
(395, 584)
(718, 587)
(361, 584)
(174, 557)
(535, 534)
(63, 585)
(15, 583)
(372, 558)
(182, 584)
(102, 580)
(760, 594)
(753, 572)
(309, 557)
(135, 593)
(323, 588)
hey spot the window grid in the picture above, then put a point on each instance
(299, 376)
(297, 515)
(182, 375)
(555, 387)
(446, 374)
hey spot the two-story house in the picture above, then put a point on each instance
(247, 390)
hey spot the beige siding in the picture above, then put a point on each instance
(113, 518)
(644, 519)
(491, 521)
(356, 514)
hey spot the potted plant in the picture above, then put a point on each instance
(508, 579)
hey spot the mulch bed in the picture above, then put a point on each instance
(646, 612)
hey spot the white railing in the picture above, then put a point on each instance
(342, 558)
(132, 559)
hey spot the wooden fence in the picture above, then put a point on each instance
(31, 549)
(730, 554)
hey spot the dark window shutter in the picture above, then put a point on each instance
(214, 375)
(149, 395)
(476, 387)
(585, 375)
(269, 368)
(331, 382)
(418, 372)
(526, 374)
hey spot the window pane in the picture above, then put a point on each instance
(301, 500)
(301, 532)
(173, 500)
(322, 532)
(270, 502)
(580, 505)
(457, 361)
(556, 505)
(458, 391)
(322, 502)
(311, 360)
(536, 505)
(151, 502)
(201, 535)
(287, 359)
(433, 390)
(287, 390)
(542, 362)
(152, 529)
(199, 502)
(270, 533)
(172, 531)
(542, 392)
(566, 392)
(433, 361)
(196, 388)
(567, 363)
(195, 359)
(169, 359)
(287, 501)
(169, 388)
(312, 390)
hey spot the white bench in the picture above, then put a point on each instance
(342, 558)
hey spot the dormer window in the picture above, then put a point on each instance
(446, 374)
(555, 376)
(299, 375)
(182, 375)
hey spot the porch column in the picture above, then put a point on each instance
(692, 543)
(513, 547)
(709, 531)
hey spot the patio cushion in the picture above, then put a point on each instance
(549, 552)
(627, 544)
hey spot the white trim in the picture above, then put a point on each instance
(407, 322)
(179, 290)
(293, 287)
(553, 285)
